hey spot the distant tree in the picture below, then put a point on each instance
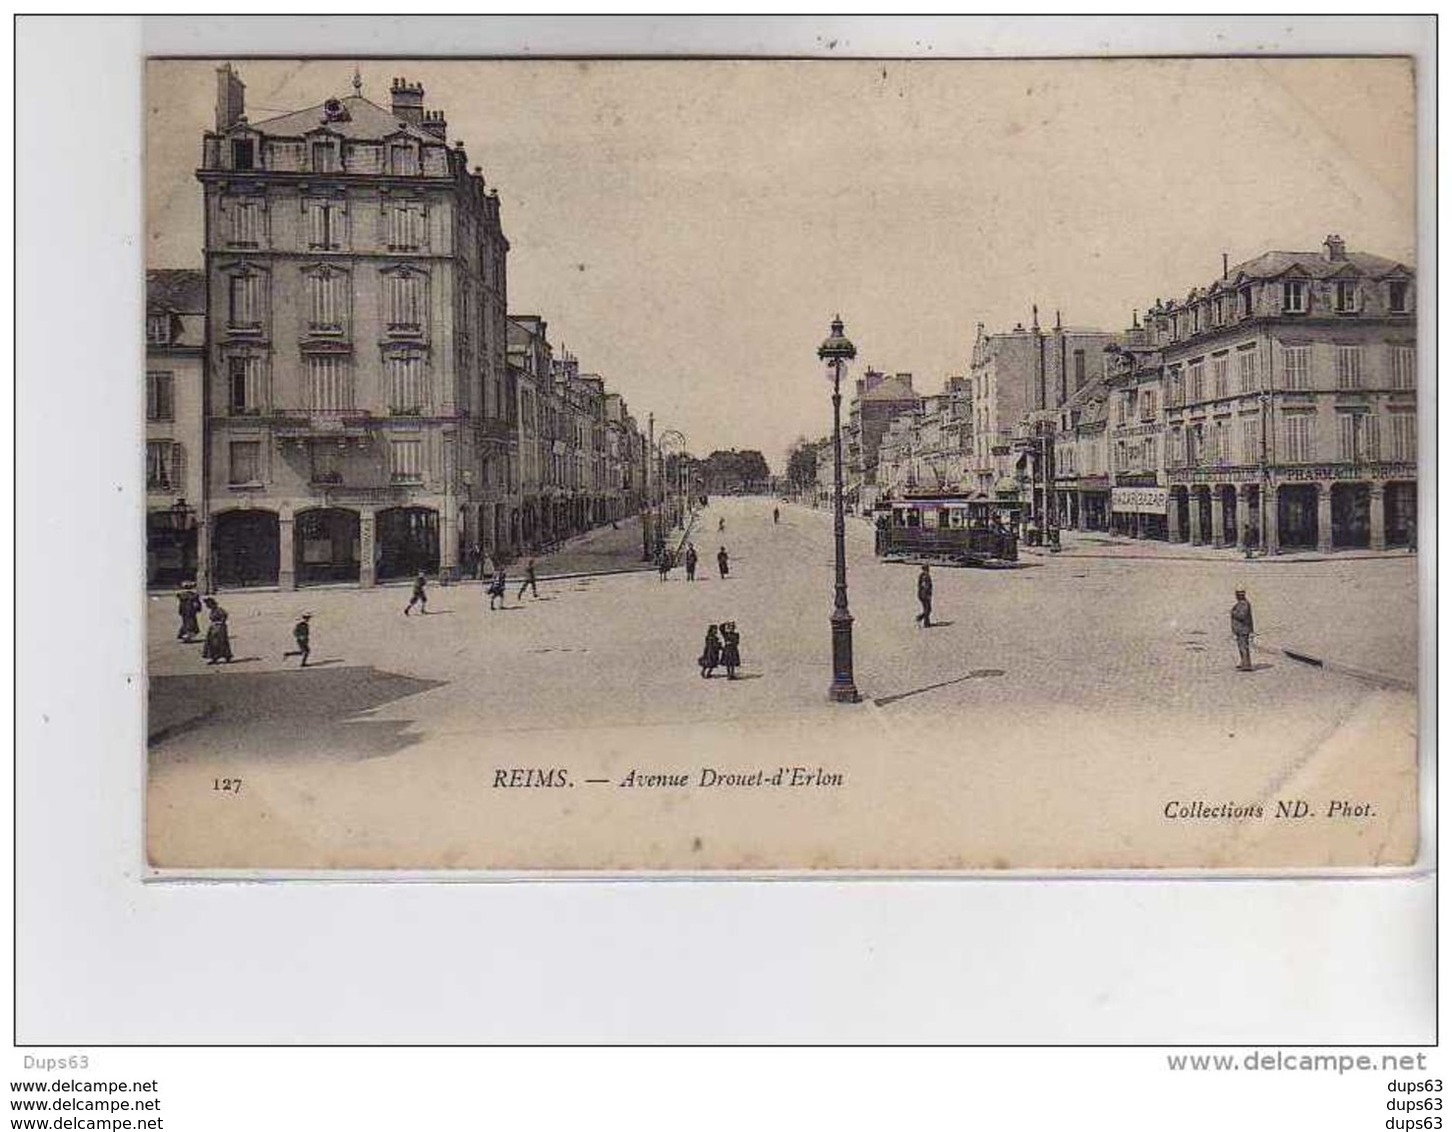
(801, 464)
(733, 470)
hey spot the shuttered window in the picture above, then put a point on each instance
(329, 386)
(406, 383)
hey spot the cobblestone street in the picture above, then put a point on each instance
(1049, 719)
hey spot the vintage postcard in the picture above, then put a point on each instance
(700, 465)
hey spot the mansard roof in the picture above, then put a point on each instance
(361, 120)
(180, 290)
(1270, 265)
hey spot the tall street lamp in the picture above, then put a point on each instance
(836, 351)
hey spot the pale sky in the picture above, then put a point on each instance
(688, 229)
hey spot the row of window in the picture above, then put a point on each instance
(1190, 387)
(1345, 297)
(406, 463)
(1207, 444)
(328, 155)
(329, 383)
(403, 225)
(327, 298)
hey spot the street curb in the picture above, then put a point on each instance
(1228, 557)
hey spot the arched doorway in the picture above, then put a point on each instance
(326, 545)
(407, 541)
(245, 547)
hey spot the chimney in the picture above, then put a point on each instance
(1058, 322)
(434, 124)
(1224, 265)
(230, 106)
(1335, 248)
(408, 101)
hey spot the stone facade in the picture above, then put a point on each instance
(176, 322)
(360, 417)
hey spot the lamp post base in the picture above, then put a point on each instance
(843, 689)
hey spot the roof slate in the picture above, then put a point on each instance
(182, 290)
(367, 121)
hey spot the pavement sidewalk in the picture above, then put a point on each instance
(1080, 544)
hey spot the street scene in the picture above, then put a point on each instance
(1112, 567)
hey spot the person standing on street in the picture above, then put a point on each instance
(419, 597)
(775, 515)
(730, 648)
(188, 605)
(711, 653)
(218, 645)
(925, 597)
(723, 564)
(663, 563)
(497, 587)
(301, 633)
(721, 523)
(529, 582)
(691, 558)
(1242, 625)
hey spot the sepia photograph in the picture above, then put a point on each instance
(815, 466)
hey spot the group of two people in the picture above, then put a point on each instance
(723, 649)
(665, 561)
(218, 643)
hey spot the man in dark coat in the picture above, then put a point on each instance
(1242, 625)
(302, 634)
(529, 582)
(419, 598)
(925, 597)
(723, 562)
(691, 558)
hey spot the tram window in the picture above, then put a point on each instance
(931, 517)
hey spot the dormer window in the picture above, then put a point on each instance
(1397, 293)
(323, 155)
(1247, 305)
(403, 159)
(1346, 301)
(243, 153)
(158, 329)
(1294, 296)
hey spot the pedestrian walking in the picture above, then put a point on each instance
(721, 523)
(925, 597)
(529, 582)
(663, 563)
(711, 654)
(775, 515)
(188, 605)
(497, 587)
(1242, 625)
(691, 559)
(723, 562)
(218, 645)
(301, 633)
(420, 597)
(730, 648)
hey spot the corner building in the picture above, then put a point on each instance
(358, 412)
(1290, 413)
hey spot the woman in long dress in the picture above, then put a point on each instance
(218, 645)
(188, 605)
(730, 649)
(711, 654)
